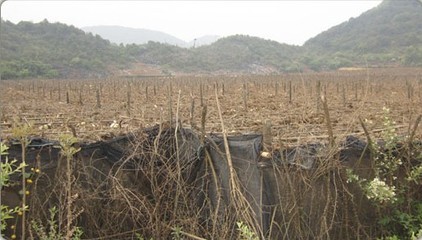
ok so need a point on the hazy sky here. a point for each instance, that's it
(291, 22)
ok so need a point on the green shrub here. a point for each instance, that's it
(402, 218)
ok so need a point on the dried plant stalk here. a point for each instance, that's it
(238, 199)
(328, 121)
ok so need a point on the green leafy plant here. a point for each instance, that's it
(68, 150)
(415, 174)
(140, 237)
(417, 235)
(53, 231)
(386, 161)
(404, 218)
(245, 232)
(22, 131)
(67, 141)
(7, 169)
(176, 233)
(378, 190)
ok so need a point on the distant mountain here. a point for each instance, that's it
(390, 33)
(55, 50)
(125, 35)
(237, 53)
(387, 35)
(204, 40)
(250, 54)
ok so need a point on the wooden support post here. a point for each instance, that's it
(245, 97)
(290, 91)
(192, 109)
(170, 95)
(318, 97)
(356, 91)
(67, 97)
(203, 120)
(128, 99)
(80, 96)
(267, 136)
(201, 94)
(328, 121)
(97, 94)
(344, 95)
(60, 97)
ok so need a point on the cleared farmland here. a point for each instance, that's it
(95, 108)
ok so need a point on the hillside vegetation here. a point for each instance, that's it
(388, 35)
(54, 50)
(237, 53)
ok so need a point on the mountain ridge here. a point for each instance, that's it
(378, 35)
(387, 35)
(128, 35)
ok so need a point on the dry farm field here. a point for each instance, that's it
(101, 108)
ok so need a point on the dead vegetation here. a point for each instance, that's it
(151, 175)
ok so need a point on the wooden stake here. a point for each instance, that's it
(245, 97)
(170, 95)
(203, 119)
(267, 135)
(290, 91)
(128, 99)
(344, 96)
(80, 96)
(319, 97)
(201, 97)
(328, 121)
(67, 97)
(415, 127)
(192, 109)
(97, 94)
(60, 97)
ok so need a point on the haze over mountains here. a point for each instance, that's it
(387, 35)
(125, 35)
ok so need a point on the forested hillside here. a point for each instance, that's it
(55, 50)
(388, 35)
(237, 53)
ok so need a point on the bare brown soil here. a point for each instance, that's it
(291, 102)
